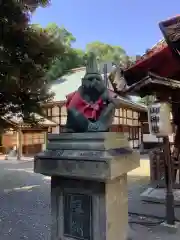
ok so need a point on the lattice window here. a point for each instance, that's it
(33, 138)
(49, 114)
(55, 111)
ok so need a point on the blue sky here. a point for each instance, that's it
(131, 24)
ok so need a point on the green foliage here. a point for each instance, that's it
(106, 52)
(33, 4)
(31, 56)
(71, 58)
(147, 100)
(60, 34)
(26, 53)
(63, 64)
(74, 58)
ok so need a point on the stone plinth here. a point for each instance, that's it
(89, 184)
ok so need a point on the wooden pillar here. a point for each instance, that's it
(170, 213)
(45, 139)
(19, 143)
(141, 137)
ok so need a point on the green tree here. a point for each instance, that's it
(33, 4)
(26, 54)
(61, 34)
(72, 58)
(107, 52)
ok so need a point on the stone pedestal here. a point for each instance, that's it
(88, 185)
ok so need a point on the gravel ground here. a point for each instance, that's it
(24, 201)
(25, 206)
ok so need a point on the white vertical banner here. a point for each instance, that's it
(109, 67)
(159, 118)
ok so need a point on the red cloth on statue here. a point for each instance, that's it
(90, 111)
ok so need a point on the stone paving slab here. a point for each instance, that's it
(158, 195)
(138, 182)
(139, 207)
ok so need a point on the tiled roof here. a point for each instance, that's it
(71, 82)
(159, 46)
(16, 120)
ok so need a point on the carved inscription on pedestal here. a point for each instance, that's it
(75, 154)
(78, 216)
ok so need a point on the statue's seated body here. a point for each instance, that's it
(90, 108)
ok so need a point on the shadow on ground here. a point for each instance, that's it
(25, 202)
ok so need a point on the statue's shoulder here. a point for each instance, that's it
(73, 98)
(72, 94)
(69, 98)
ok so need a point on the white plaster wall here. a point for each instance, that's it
(55, 129)
(131, 143)
(136, 143)
(152, 138)
(149, 138)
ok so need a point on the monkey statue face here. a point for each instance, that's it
(93, 83)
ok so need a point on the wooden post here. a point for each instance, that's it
(170, 215)
(19, 143)
(141, 137)
(45, 140)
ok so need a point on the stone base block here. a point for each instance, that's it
(97, 156)
(90, 210)
(158, 195)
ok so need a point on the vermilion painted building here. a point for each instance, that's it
(160, 61)
(158, 73)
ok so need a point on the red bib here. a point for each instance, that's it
(90, 111)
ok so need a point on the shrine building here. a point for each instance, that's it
(23, 137)
(154, 66)
(157, 73)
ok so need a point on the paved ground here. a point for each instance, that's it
(25, 205)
